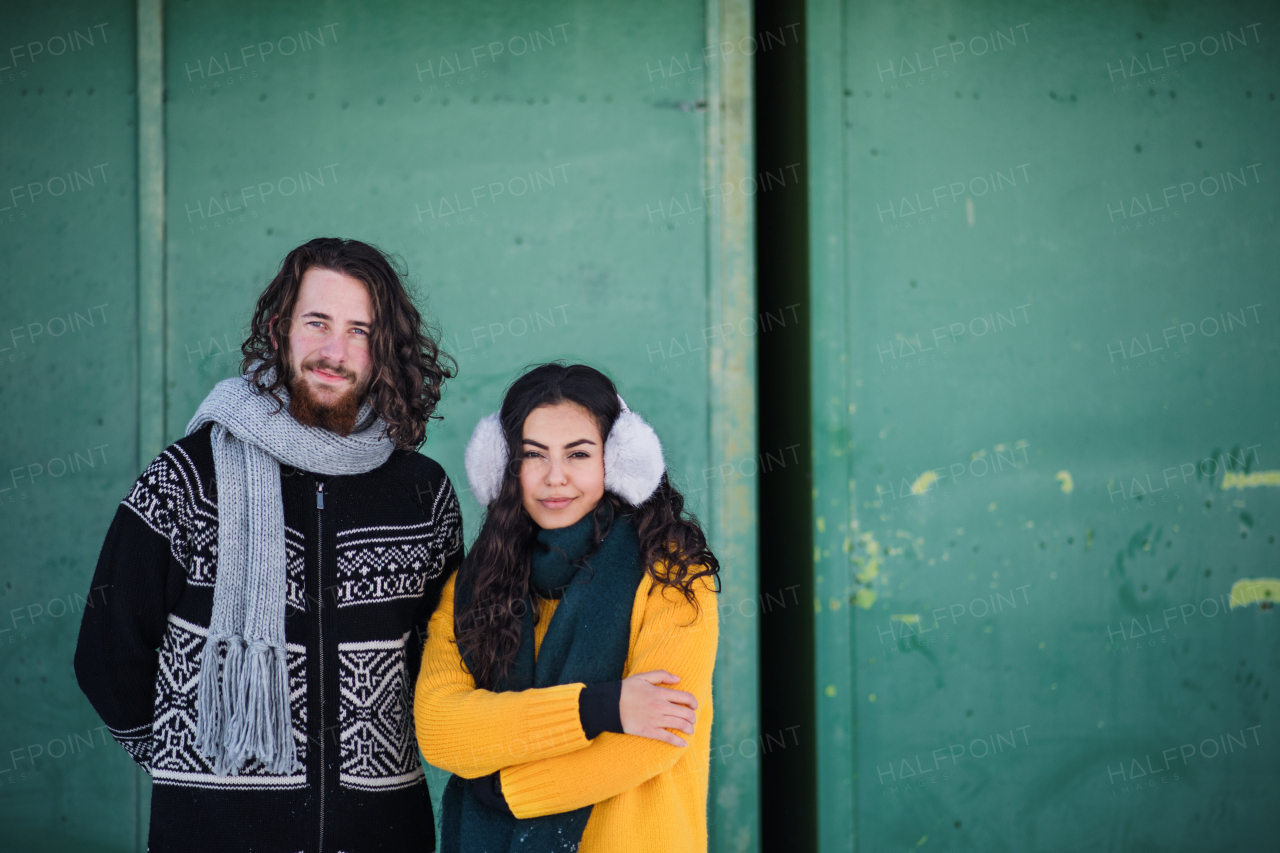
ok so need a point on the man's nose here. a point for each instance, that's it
(334, 348)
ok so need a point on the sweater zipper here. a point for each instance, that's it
(320, 632)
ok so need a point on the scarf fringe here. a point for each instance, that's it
(242, 704)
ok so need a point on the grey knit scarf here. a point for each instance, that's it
(242, 703)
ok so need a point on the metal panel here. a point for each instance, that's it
(1058, 389)
(543, 170)
(834, 524)
(68, 393)
(735, 797)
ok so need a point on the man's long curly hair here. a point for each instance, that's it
(408, 367)
(673, 547)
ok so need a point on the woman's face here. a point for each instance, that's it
(562, 465)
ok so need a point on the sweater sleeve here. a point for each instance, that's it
(670, 638)
(473, 732)
(446, 553)
(136, 580)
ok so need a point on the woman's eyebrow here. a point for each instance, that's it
(567, 446)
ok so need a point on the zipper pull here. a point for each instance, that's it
(319, 495)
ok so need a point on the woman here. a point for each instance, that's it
(543, 686)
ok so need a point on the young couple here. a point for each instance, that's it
(271, 578)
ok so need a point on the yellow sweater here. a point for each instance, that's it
(648, 795)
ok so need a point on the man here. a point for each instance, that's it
(271, 576)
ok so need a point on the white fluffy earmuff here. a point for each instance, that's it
(633, 463)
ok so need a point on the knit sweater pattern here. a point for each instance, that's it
(367, 556)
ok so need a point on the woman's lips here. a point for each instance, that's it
(556, 503)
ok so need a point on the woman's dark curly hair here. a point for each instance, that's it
(672, 545)
(408, 366)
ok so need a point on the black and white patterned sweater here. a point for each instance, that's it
(367, 557)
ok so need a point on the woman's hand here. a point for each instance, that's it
(648, 710)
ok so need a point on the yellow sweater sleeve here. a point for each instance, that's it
(670, 638)
(475, 732)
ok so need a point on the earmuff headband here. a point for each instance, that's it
(633, 464)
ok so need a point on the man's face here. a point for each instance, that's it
(328, 356)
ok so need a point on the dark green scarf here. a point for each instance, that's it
(587, 641)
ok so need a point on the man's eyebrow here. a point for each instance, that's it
(320, 315)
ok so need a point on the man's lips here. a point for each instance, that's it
(328, 376)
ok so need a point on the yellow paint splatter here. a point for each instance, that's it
(1246, 591)
(923, 482)
(865, 598)
(871, 698)
(992, 507)
(1237, 480)
(923, 838)
(822, 524)
(906, 618)
(834, 604)
(870, 542)
(1068, 484)
(830, 691)
(870, 571)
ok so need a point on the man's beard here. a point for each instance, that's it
(338, 417)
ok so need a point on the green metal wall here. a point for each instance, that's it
(531, 163)
(1044, 247)
(67, 390)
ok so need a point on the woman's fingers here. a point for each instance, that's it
(650, 709)
(658, 676)
(668, 737)
(679, 697)
(679, 712)
(679, 723)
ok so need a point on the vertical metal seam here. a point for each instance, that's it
(151, 376)
(735, 802)
(833, 486)
(151, 298)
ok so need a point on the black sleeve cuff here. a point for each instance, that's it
(488, 790)
(598, 708)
